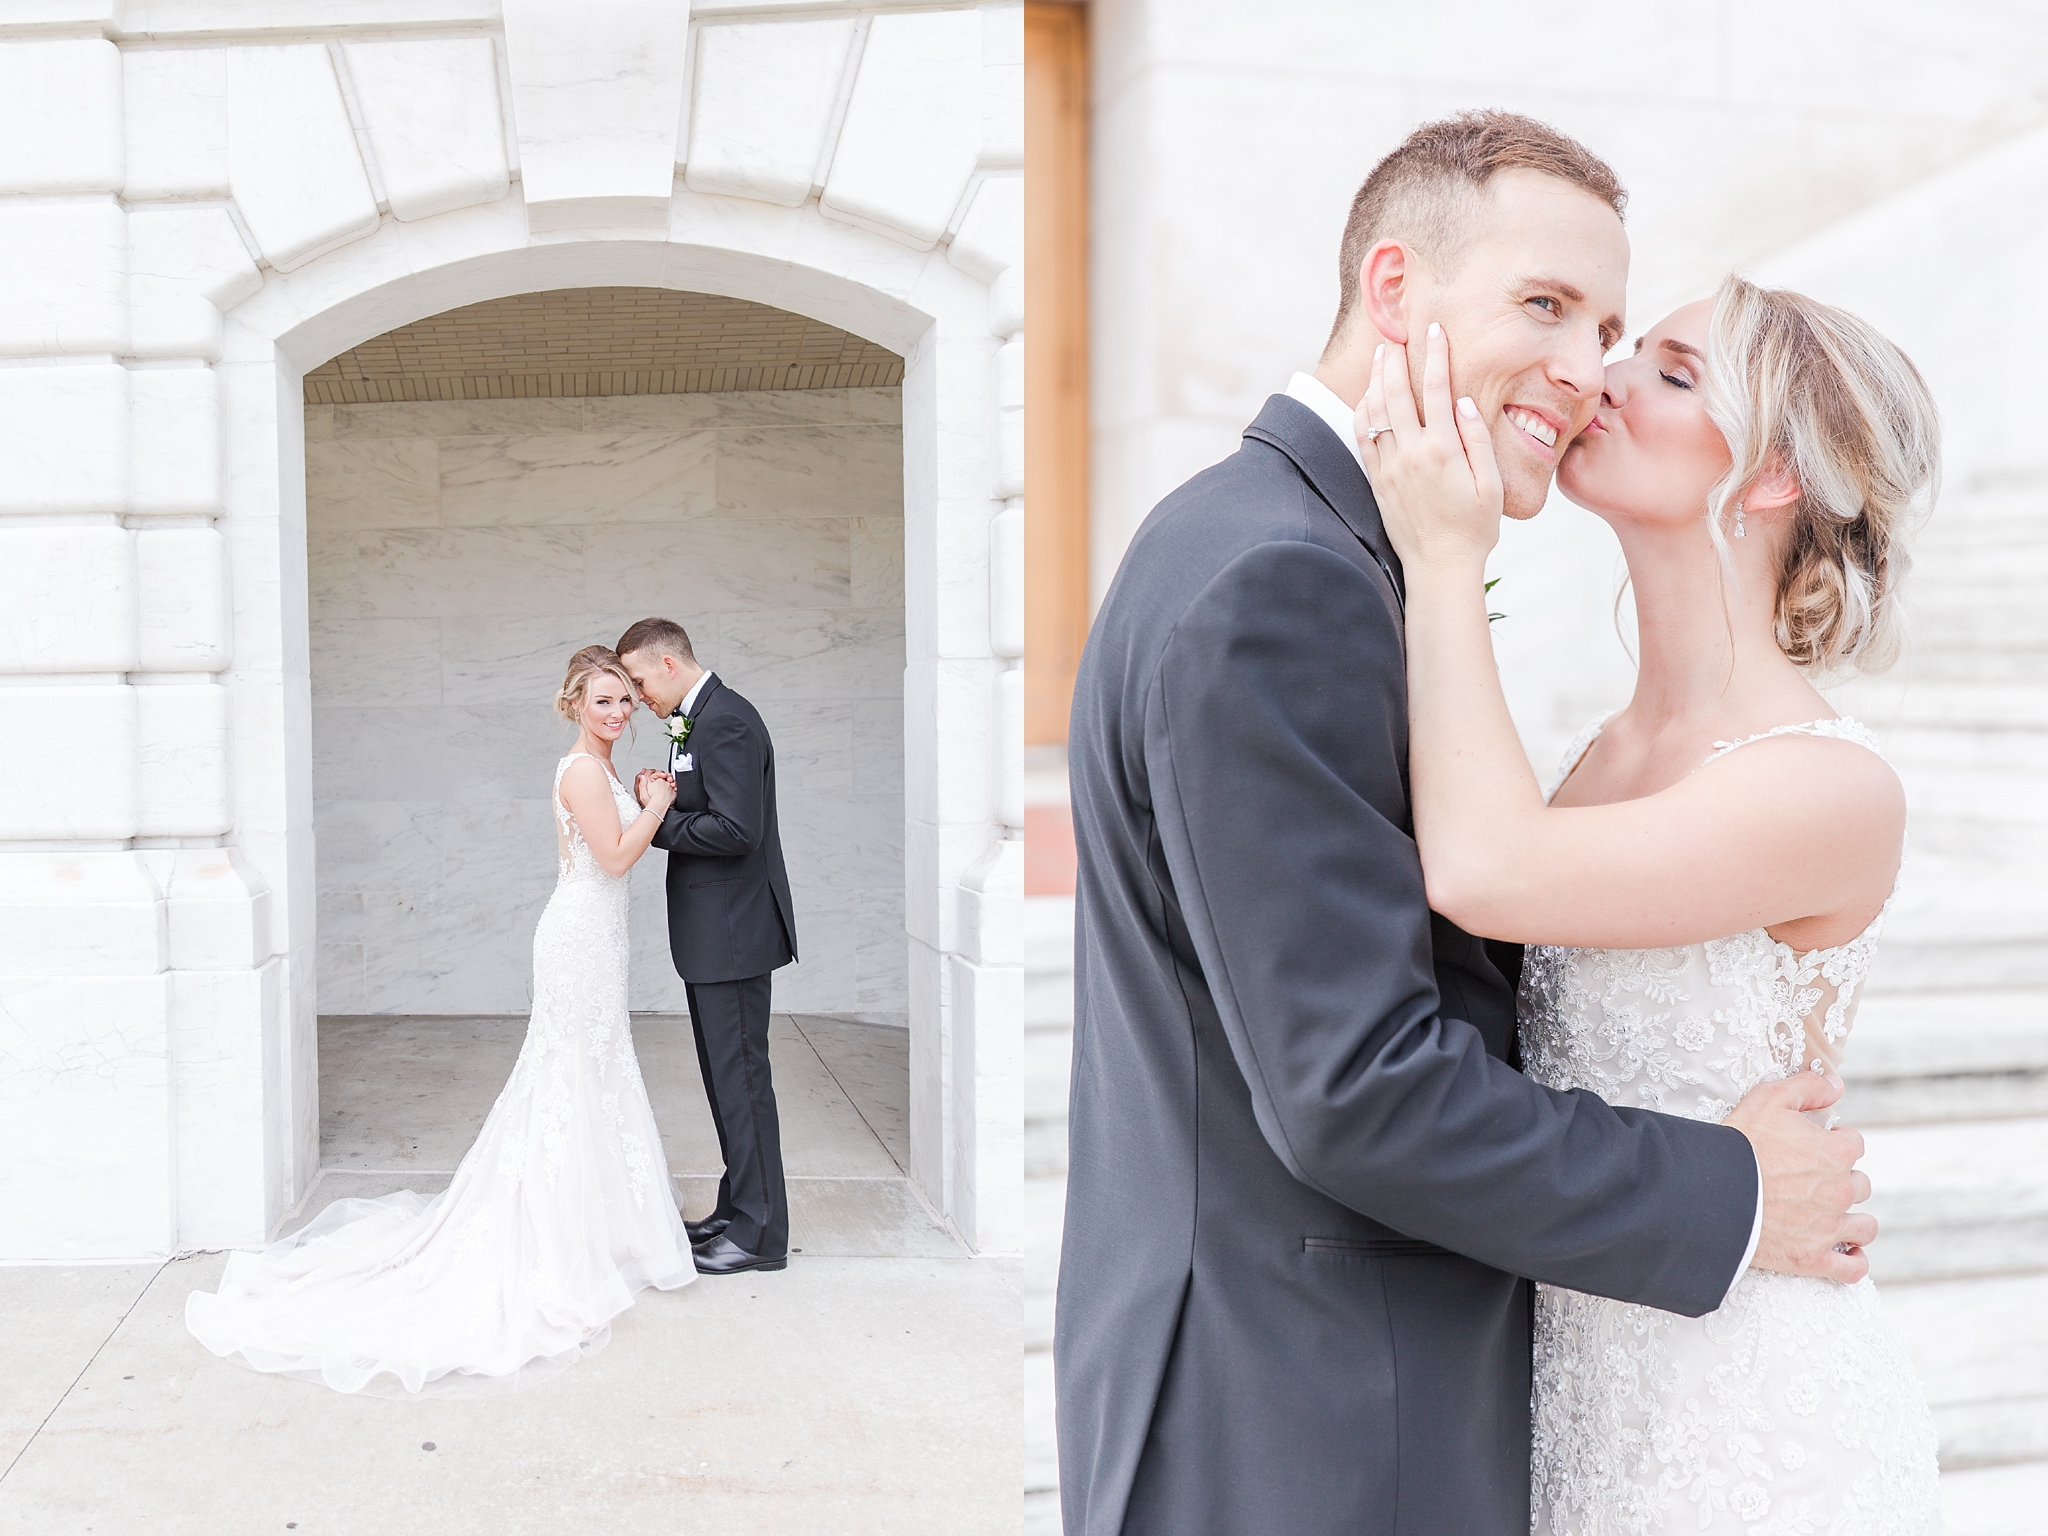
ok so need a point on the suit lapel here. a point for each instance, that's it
(1332, 471)
(704, 696)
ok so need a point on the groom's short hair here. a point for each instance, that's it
(663, 636)
(1426, 192)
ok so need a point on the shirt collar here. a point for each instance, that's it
(1323, 400)
(690, 699)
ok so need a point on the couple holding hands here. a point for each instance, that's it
(562, 1209)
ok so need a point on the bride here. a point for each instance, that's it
(562, 1209)
(1703, 891)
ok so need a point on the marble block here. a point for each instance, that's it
(176, 123)
(719, 564)
(60, 115)
(174, 450)
(182, 600)
(597, 94)
(834, 652)
(224, 1029)
(1008, 730)
(990, 238)
(92, 629)
(182, 771)
(514, 661)
(431, 572)
(84, 913)
(577, 478)
(185, 266)
(434, 121)
(66, 270)
(913, 126)
(987, 1119)
(216, 909)
(377, 662)
(877, 562)
(1006, 582)
(89, 791)
(85, 1118)
(1002, 85)
(297, 175)
(819, 471)
(762, 105)
(379, 483)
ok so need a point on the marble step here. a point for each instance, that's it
(1980, 1349)
(1902, 699)
(1995, 1501)
(1965, 926)
(1958, 1200)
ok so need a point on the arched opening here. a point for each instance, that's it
(487, 490)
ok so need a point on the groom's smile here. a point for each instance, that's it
(1529, 283)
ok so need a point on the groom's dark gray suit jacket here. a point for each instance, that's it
(1306, 1176)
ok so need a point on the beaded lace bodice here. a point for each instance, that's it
(1691, 1029)
(1791, 1410)
(574, 860)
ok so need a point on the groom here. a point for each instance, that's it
(1308, 1187)
(729, 925)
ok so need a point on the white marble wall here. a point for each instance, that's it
(1229, 138)
(458, 553)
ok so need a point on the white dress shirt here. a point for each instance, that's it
(690, 698)
(1337, 416)
(679, 760)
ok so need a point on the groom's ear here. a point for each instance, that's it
(1384, 281)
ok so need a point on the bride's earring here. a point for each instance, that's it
(1741, 529)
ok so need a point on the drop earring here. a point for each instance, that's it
(1741, 528)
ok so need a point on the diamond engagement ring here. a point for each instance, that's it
(1373, 433)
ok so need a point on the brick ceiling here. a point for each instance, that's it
(601, 341)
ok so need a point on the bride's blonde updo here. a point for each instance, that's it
(583, 666)
(1849, 415)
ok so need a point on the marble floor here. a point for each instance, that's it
(871, 1387)
(402, 1098)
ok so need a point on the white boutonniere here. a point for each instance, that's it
(679, 728)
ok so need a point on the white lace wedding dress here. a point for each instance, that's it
(1793, 1409)
(559, 1213)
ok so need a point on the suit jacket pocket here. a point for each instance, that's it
(1372, 1248)
(702, 885)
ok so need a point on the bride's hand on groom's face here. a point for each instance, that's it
(1432, 471)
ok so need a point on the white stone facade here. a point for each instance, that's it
(200, 200)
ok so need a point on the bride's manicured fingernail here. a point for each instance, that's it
(1466, 408)
(1379, 352)
(1435, 330)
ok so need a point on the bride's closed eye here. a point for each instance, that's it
(1678, 379)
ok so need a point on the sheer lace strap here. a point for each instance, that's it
(1841, 728)
(1581, 745)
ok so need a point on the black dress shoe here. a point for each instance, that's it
(720, 1255)
(703, 1231)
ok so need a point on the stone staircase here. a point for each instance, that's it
(1948, 1064)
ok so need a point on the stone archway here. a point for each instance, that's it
(279, 201)
(958, 1096)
